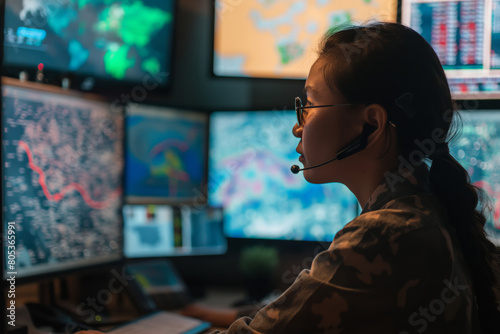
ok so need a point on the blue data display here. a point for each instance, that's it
(250, 156)
(165, 155)
(126, 40)
(478, 150)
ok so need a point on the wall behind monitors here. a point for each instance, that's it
(478, 150)
(277, 39)
(250, 155)
(165, 154)
(466, 36)
(127, 40)
(62, 168)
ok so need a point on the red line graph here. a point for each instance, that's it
(66, 189)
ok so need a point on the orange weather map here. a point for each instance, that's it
(277, 38)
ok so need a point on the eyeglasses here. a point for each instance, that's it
(299, 109)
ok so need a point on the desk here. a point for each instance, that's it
(216, 297)
(223, 296)
(220, 298)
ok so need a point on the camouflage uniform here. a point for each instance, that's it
(396, 268)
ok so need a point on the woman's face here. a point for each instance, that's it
(324, 131)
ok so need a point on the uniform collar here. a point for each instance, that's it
(397, 183)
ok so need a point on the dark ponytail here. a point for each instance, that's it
(392, 65)
(451, 183)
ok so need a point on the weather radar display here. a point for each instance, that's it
(62, 179)
(277, 39)
(165, 155)
(121, 40)
(477, 149)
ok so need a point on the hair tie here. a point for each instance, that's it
(440, 151)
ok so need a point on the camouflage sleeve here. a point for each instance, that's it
(370, 280)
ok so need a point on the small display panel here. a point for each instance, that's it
(164, 230)
(126, 40)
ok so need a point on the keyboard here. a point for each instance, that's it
(162, 322)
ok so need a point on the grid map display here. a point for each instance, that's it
(62, 179)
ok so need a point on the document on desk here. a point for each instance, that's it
(163, 322)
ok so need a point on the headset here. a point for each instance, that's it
(353, 147)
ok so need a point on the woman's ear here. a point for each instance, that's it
(376, 116)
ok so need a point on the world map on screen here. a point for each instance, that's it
(277, 38)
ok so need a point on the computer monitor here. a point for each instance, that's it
(127, 40)
(278, 39)
(466, 37)
(478, 150)
(165, 154)
(62, 167)
(166, 230)
(250, 156)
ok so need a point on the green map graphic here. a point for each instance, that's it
(122, 31)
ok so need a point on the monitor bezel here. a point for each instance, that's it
(80, 267)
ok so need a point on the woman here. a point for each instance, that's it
(417, 259)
